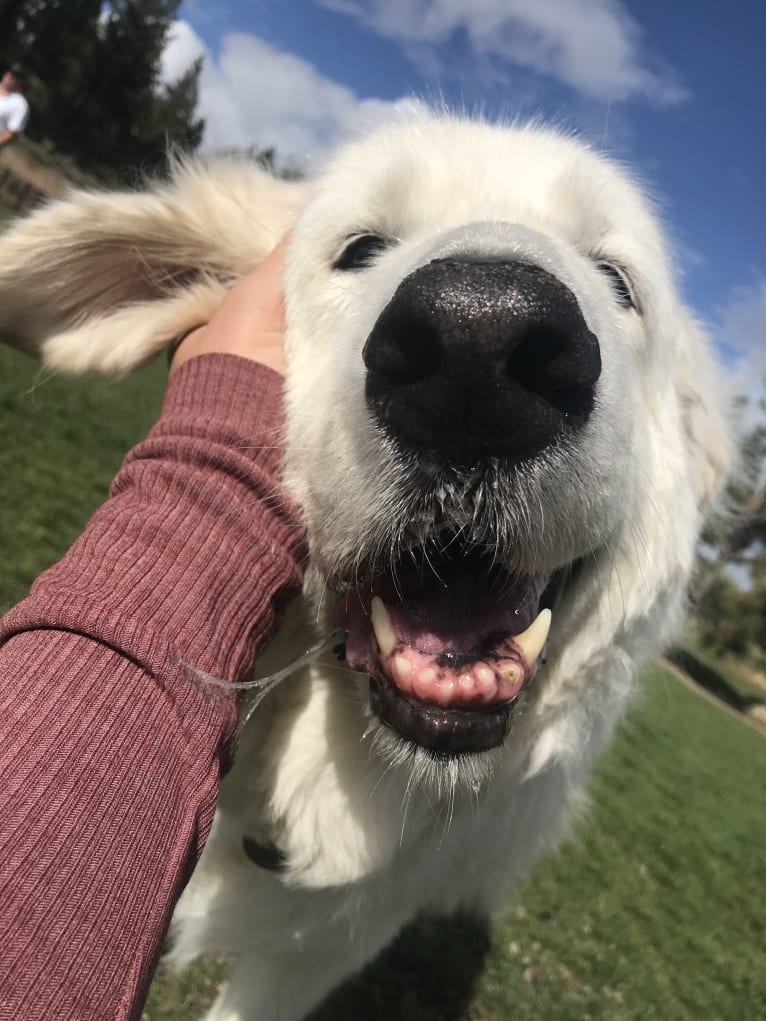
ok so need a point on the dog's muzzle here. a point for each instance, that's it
(481, 359)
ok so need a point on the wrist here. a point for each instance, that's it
(176, 344)
(264, 347)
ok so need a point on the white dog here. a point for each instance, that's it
(498, 407)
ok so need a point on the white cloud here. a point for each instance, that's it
(742, 324)
(593, 46)
(254, 94)
(182, 49)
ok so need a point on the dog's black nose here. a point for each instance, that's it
(481, 359)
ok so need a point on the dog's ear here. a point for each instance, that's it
(100, 282)
(706, 403)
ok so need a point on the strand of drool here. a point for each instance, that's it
(263, 685)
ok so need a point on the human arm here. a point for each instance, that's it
(112, 748)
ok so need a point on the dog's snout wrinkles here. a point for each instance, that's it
(481, 359)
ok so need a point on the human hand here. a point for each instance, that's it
(249, 321)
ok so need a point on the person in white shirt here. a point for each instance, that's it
(14, 109)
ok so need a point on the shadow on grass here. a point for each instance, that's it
(712, 680)
(427, 974)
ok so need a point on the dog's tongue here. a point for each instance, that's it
(452, 640)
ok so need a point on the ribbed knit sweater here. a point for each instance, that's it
(111, 749)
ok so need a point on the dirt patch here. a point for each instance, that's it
(754, 716)
(755, 677)
(30, 174)
(757, 713)
(43, 179)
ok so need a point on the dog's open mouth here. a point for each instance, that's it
(450, 641)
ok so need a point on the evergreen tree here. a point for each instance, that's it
(733, 616)
(174, 110)
(93, 80)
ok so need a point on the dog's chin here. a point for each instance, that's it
(450, 643)
(440, 774)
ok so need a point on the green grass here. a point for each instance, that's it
(63, 441)
(654, 910)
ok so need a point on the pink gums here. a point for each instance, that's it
(488, 681)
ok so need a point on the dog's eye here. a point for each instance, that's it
(360, 251)
(620, 284)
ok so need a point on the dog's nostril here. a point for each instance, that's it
(533, 350)
(403, 349)
(558, 361)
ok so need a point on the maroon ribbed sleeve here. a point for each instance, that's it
(112, 750)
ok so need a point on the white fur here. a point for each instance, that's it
(374, 832)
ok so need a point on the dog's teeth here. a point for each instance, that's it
(424, 683)
(485, 683)
(512, 672)
(445, 690)
(402, 667)
(485, 675)
(531, 642)
(381, 625)
(467, 683)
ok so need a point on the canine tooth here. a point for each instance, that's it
(531, 642)
(381, 625)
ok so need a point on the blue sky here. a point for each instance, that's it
(676, 90)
